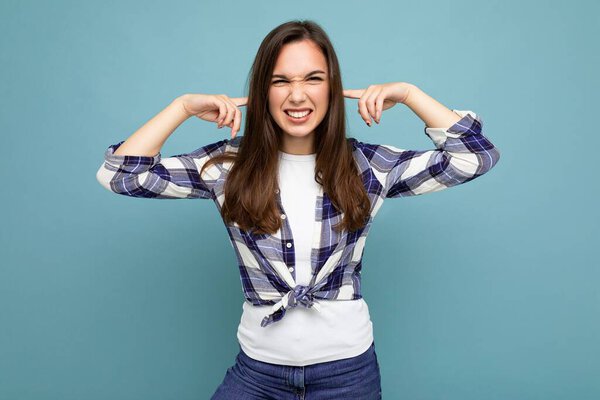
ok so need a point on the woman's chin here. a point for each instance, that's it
(298, 133)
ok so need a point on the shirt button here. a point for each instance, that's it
(291, 269)
(288, 245)
(283, 216)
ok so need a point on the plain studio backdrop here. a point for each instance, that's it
(488, 290)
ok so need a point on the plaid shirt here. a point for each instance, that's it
(266, 262)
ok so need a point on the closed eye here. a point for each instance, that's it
(311, 78)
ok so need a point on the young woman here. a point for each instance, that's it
(298, 198)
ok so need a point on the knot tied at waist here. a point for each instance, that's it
(299, 295)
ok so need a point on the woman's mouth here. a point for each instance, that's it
(298, 117)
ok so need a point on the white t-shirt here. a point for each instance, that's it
(342, 329)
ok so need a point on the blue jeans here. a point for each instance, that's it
(354, 378)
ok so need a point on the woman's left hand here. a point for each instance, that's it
(377, 98)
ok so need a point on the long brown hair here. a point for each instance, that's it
(251, 183)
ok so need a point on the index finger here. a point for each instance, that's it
(239, 101)
(353, 93)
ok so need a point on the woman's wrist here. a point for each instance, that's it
(432, 112)
(180, 102)
(409, 88)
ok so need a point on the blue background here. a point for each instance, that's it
(489, 290)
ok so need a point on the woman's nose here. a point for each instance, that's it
(297, 92)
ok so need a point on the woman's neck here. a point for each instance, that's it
(298, 145)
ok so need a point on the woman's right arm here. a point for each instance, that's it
(149, 139)
(135, 168)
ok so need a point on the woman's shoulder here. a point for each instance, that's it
(235, 142)
(222, 146)
(362, 146)
(363, 152)
(226, 144)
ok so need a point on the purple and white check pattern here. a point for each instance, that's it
(266, 262)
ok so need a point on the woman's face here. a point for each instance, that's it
(299, 84)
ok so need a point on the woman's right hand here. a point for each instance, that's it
(218, 108)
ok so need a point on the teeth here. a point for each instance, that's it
(298, 114)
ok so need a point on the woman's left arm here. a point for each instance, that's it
(462, 152)
(376, 98)
(432, 113)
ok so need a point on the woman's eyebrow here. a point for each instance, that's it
(318, 71)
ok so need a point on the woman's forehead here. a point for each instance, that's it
(300, 59)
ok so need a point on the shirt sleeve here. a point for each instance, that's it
(174, 177)
(462, 154)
